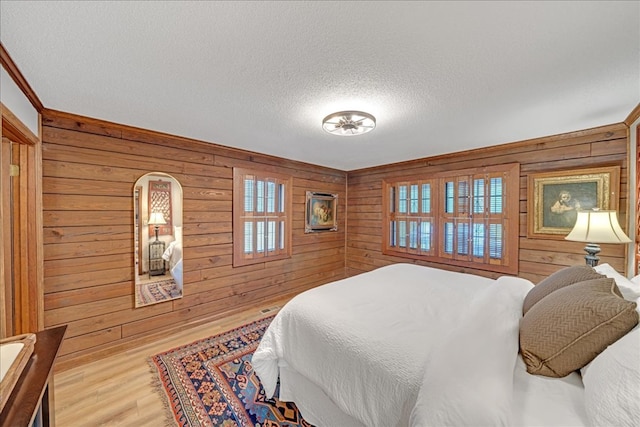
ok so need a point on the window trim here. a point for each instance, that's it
(510, 218)
(240, 258)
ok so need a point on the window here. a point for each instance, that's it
(466, 217)
(261, 216)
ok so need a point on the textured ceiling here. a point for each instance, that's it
(439, 77)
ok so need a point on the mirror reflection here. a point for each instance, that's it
(158, 238)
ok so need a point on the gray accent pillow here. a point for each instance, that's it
(568, 328)
(561, 278)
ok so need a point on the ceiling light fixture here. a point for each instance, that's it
(349, 123)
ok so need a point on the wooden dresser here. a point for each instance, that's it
(31, 402)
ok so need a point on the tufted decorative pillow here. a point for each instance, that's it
(568, 328)
(561, 278)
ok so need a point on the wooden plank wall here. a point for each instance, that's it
(89, 170)
(604, 146)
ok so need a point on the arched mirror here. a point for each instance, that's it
(157, 219)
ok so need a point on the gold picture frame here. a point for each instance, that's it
(320, 212)
(555, 197)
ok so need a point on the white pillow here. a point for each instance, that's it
(612, 383)
(636, 279)
(629, 290)
(177, 233)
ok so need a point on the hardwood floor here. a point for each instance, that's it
(119, 391)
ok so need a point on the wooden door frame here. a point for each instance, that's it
(633, 201)
(636, 230)
(6, 276)
(21, 258)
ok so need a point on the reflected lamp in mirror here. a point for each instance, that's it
(156, 219)
(595, 227)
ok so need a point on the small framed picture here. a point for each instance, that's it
(321, 212)
(554, 198)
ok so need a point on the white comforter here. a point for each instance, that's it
(341, 338)
(173, 254)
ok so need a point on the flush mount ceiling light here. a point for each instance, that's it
(349, 123)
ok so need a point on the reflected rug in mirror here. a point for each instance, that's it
(211, 382)
(163, 290)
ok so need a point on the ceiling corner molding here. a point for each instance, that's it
(14, 129)
(633, 116)
(12, 69)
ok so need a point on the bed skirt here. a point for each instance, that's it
(314, 405)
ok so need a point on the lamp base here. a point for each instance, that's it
(592, 250)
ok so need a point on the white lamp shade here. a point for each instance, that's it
(597, 227)
(156, 218)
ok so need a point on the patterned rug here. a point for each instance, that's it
(211, 382)
(158, 291)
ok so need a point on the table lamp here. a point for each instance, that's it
(156, 219)
(595, 227)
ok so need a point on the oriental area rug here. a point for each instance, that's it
(153, 292)
(211, 382)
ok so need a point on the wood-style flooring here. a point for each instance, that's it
(118, 390)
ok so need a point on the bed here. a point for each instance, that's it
(173, 255)
(411, 345)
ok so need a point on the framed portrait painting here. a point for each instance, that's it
(321, 211)
(554, 198)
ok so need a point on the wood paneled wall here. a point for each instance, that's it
(605, 146)
(89, 170)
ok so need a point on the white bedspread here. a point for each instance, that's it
(173, 253)
(369, 358)
(469, 376)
